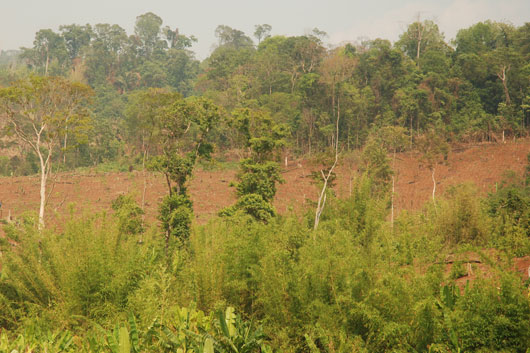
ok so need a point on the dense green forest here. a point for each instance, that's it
(344, 275)
(475, 88)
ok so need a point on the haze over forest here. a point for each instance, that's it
(132, 122)
(342, 20)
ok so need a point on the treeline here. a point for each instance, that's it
(473, 89)
(349, 277)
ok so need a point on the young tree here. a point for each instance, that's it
(391, 139)
(336, 70)
(143, 125)
(434, 150)
(184, 128)
(40, 111)
(259, 173)
(48, 47)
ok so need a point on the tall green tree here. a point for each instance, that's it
(48, 48)
(262, 32)
(263, 138)
(148, 28)
(76, 38)
(184, 128)
(420, 38)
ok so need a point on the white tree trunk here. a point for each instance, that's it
(322, 197)
(43, 177)
(64, 146)
(433, 185)
(392, 204)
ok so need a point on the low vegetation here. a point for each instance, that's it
(345, 274)
(105, 283)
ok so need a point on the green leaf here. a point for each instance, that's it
(112, 343)
(63, 342)
(230, 320)
(134, 333)
(222, 322)
(125, 344)
(208, 345)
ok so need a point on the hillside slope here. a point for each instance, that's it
(483, 165)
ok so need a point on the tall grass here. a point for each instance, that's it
(357, 284)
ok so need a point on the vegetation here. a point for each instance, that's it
(349, 277)
(472, 89)
(239, 284)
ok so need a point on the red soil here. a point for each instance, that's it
(483, 165)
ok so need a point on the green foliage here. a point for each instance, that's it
(176, 215)
(353, 285)
(179, 128)
(57, 343)
(86, 272)
(258, 174)
(471, 92)
(376, 164)
(251, 204)
(460, 218)
(356, 284)
(129, 215)
(492, 319)
(434, 148)
(259, 179)
(509, 208)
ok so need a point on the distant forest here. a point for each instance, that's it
(475, 88)
(341, 275)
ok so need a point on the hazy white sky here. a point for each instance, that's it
(342, 19)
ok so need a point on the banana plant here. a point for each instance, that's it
(187, 332)
(59, 342)
(449, 295)
(238, 336)
(121, 340)
(54, 343)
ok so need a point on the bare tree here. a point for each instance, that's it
(40, 110)
(434, 151)
(336, 70)
(326, 177)
(394, 139)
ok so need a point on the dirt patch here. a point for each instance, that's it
(482, 165)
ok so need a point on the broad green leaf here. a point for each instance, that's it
(125, 344)
(208, 345)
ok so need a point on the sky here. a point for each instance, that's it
(343, 20)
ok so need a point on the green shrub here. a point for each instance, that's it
(86, 271)
(491, 318)
(176, 214)
(129, 215)
(460, 217)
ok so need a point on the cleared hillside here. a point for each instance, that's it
(484, 165)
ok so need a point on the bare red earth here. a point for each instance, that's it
(483, 165)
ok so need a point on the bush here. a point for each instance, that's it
(509, 209)
(176, 214)
(129, 215)
(86, 271)
(460, 218)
